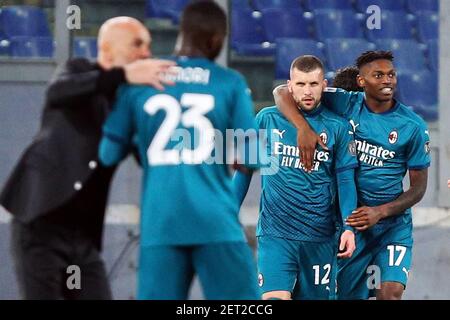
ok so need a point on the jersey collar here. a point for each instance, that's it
(313, 113)
(393, 109)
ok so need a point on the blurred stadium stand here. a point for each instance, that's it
(27, 21)
(282, 23)
(415, 6)
(313, 5)
(424, 103)
(85, 47)
(408, 28)
(337, 24)
(398, 5)
(408, 56)
(279, 4)
(248, 36)
(166, 9)
(290, 48)
(31, 47)
(342, 52)
(427, 25)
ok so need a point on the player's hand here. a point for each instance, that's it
(347, 244)
(149, 72)
(307, 140)
(240, 167)
(364, 217)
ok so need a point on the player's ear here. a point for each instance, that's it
(289, 84)
(360, 81)
(216, 44)
(105, 48)
(325, 84)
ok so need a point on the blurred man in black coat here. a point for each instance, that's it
(58, 191)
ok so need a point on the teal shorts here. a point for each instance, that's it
(382, 255)
(227, 271)
(306, 269)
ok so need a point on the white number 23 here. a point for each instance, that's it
(199, 105)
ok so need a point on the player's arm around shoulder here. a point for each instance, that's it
(340, 101)
(307, 138)
(80, 78)
(345, 164)
(118, 129)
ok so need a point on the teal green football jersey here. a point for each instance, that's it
(295, 204)
(388, 144)
(187, 194)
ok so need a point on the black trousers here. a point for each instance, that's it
(43, 252)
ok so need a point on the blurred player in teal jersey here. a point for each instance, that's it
(296, 228)
(189, 211)
(391, 140)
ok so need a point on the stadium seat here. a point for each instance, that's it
(433, 54)
(85, 47)
(343, 52)
(313, 5)
(288, 49)
(284, 4)
(428, 25)
(416, 6)
(28, 21)
(397, 5)
(394, 25)
(282, 23)
(407, 53)
(420, 90)
(240, 5)
(248, 36)
(4, 47)
(337, 24)
(31, 47)
(170, 9)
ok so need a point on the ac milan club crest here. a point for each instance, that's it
(393, 137)
(324, 137)
(260, 280)
(428, 148)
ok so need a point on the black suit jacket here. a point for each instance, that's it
(63, 155)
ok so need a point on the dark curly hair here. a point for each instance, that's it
(370, 56)
(345, 78)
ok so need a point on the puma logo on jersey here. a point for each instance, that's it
(278, 132)
(406, 271)
(354, 126)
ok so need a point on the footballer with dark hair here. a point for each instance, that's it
(390, 140)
